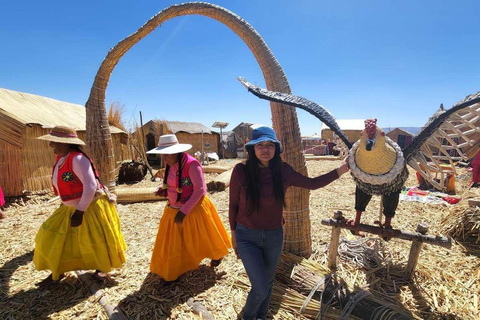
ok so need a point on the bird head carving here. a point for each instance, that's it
(372, 135)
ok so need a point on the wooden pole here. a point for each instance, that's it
(334, 241)
(380, 214)
(391, 233)
(422, 228)
(221, 144)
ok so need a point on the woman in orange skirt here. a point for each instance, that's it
(190, 229)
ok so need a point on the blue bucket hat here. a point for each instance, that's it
(261, 134)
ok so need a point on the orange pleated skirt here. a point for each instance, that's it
(181, 247)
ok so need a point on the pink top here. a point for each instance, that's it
(195, 174)
(2, 199)
(476, 168)
(83, 170)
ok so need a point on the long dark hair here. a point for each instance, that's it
(252, 172)
(167, 169)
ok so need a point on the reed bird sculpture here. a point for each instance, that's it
(379, 166)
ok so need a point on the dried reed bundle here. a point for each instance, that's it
(129, 195)
(464, 221)
(313, 280)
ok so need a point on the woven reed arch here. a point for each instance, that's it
(284, 118)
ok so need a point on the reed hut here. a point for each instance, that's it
(351, 127)
(25, 162)
(199, 136)
(401, 137)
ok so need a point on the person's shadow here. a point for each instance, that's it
(37, 303)
(156, 298)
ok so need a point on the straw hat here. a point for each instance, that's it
(63, 134)
(168, 144)
(264, 133)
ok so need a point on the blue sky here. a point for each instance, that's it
(393, 60)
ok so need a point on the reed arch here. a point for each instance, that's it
(284, 118)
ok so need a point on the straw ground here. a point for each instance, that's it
(446, 284)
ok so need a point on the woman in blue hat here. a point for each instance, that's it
(257, 198)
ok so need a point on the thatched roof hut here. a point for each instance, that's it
(244, 130)
(351, 127)
(401, 137)
(25, 162)
(199, 136)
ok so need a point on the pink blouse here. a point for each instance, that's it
(195, 173)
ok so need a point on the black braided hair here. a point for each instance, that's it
(167, 169)
(179, 159)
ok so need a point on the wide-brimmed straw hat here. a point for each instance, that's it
(63, 134)
(168, 144)
(264, 133)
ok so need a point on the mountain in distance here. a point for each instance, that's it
(412, 130)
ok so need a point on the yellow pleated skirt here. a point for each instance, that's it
(180, 248)
(97, 244)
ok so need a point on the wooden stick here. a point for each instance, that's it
(113, 311)
(334, 241)
(391, 233)
(415, 252)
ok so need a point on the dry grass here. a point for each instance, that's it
(446, 283)
(116, 115)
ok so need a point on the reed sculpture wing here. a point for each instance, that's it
(450, 135)
(311, 107)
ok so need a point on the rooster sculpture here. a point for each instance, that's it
(379, 166)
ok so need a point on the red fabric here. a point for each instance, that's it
(451, 200)
(2, 199)
(69, 184)
(476, 168)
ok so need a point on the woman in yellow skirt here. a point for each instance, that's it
(190, 229)
(84, 232)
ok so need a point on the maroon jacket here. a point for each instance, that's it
(270, 213)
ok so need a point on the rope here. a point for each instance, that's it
(299, 219)
(352, 302)
(298, 211)
(337, 290)
(310, 295)
(365, 252)
(301, 240)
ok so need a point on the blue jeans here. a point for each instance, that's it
(260, 251)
